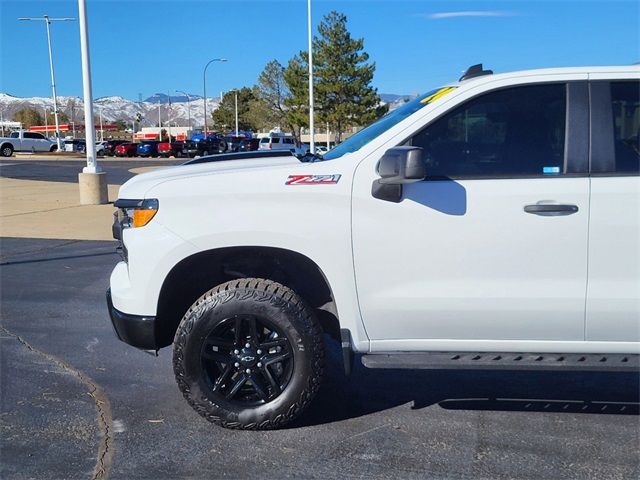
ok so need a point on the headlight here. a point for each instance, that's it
(136, 213)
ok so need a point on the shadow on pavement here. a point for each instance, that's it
(368, 391)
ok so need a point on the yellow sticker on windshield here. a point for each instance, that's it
(440, 93)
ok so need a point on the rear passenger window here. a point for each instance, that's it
(275, 140)
(625, 102)
(513, 132)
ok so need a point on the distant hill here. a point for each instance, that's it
(115, 108)
(174, 98)
(118, 108)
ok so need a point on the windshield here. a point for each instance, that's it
(364, 136)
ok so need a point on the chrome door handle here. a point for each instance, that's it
(551, 210)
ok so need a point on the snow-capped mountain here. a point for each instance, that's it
(115, 108)
(118, 108)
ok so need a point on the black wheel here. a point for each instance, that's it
(7, 150)
(249, 355)
(222, 147)
(205, 153)
(53, 148)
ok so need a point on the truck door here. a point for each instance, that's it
(493, 244)
(613, 295)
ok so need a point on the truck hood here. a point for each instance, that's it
(138, 186)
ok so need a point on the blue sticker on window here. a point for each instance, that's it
(550, 170)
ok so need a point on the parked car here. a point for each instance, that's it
(110, 146)
(233, 142)
(277, 141)
(209, 146)
(491, 223)
(321, 150)
(170, 149)
(100, 148)
(249, 145)
(75, 145)
(148, 148)
(128, 149)
(23, 141)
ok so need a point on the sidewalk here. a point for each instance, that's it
(42, 209)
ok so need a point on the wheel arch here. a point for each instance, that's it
(198, 273)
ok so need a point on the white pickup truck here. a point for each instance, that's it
(492, 223)
(24, 141)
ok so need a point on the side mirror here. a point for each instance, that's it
(399, 165)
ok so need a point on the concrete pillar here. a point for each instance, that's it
(93, 188)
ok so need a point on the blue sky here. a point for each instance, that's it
(149, 46)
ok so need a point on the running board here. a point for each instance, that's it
(503, 361)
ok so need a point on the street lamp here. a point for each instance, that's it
(204, 88)
(188, 104)
(101, 130)
(311, 128)
(235, 92)
(159, 119)
(47, 20)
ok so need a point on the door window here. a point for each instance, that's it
(625, 103)
(513, 132)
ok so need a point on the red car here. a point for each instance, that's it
(170, 149)
(126, 150)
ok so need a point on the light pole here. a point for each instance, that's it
(311, 128)
(188, 104)
(204, 89)
(159, 119)
(47, 20)
(101, 130)
(236, 95)
(92, 180)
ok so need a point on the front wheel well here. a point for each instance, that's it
(195, 275)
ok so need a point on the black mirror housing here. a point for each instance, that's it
(401, 165)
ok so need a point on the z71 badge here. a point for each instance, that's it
(312, 179)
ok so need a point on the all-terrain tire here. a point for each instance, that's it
(285, 310)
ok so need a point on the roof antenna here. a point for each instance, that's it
(474, 71)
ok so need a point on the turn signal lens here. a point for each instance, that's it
(142, 217)
(135, 213)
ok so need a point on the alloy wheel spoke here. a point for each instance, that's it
(276, 342)
(275, 386)
(223, 377)
(219, 342)
(253, 329)
(258, 387)
(217, 356)
(240, 381)
(238, 330)
(276, 357)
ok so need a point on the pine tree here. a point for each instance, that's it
(343, 90)
(296, 76)
(224, 117)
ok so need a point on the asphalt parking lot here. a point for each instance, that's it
(78, 403)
